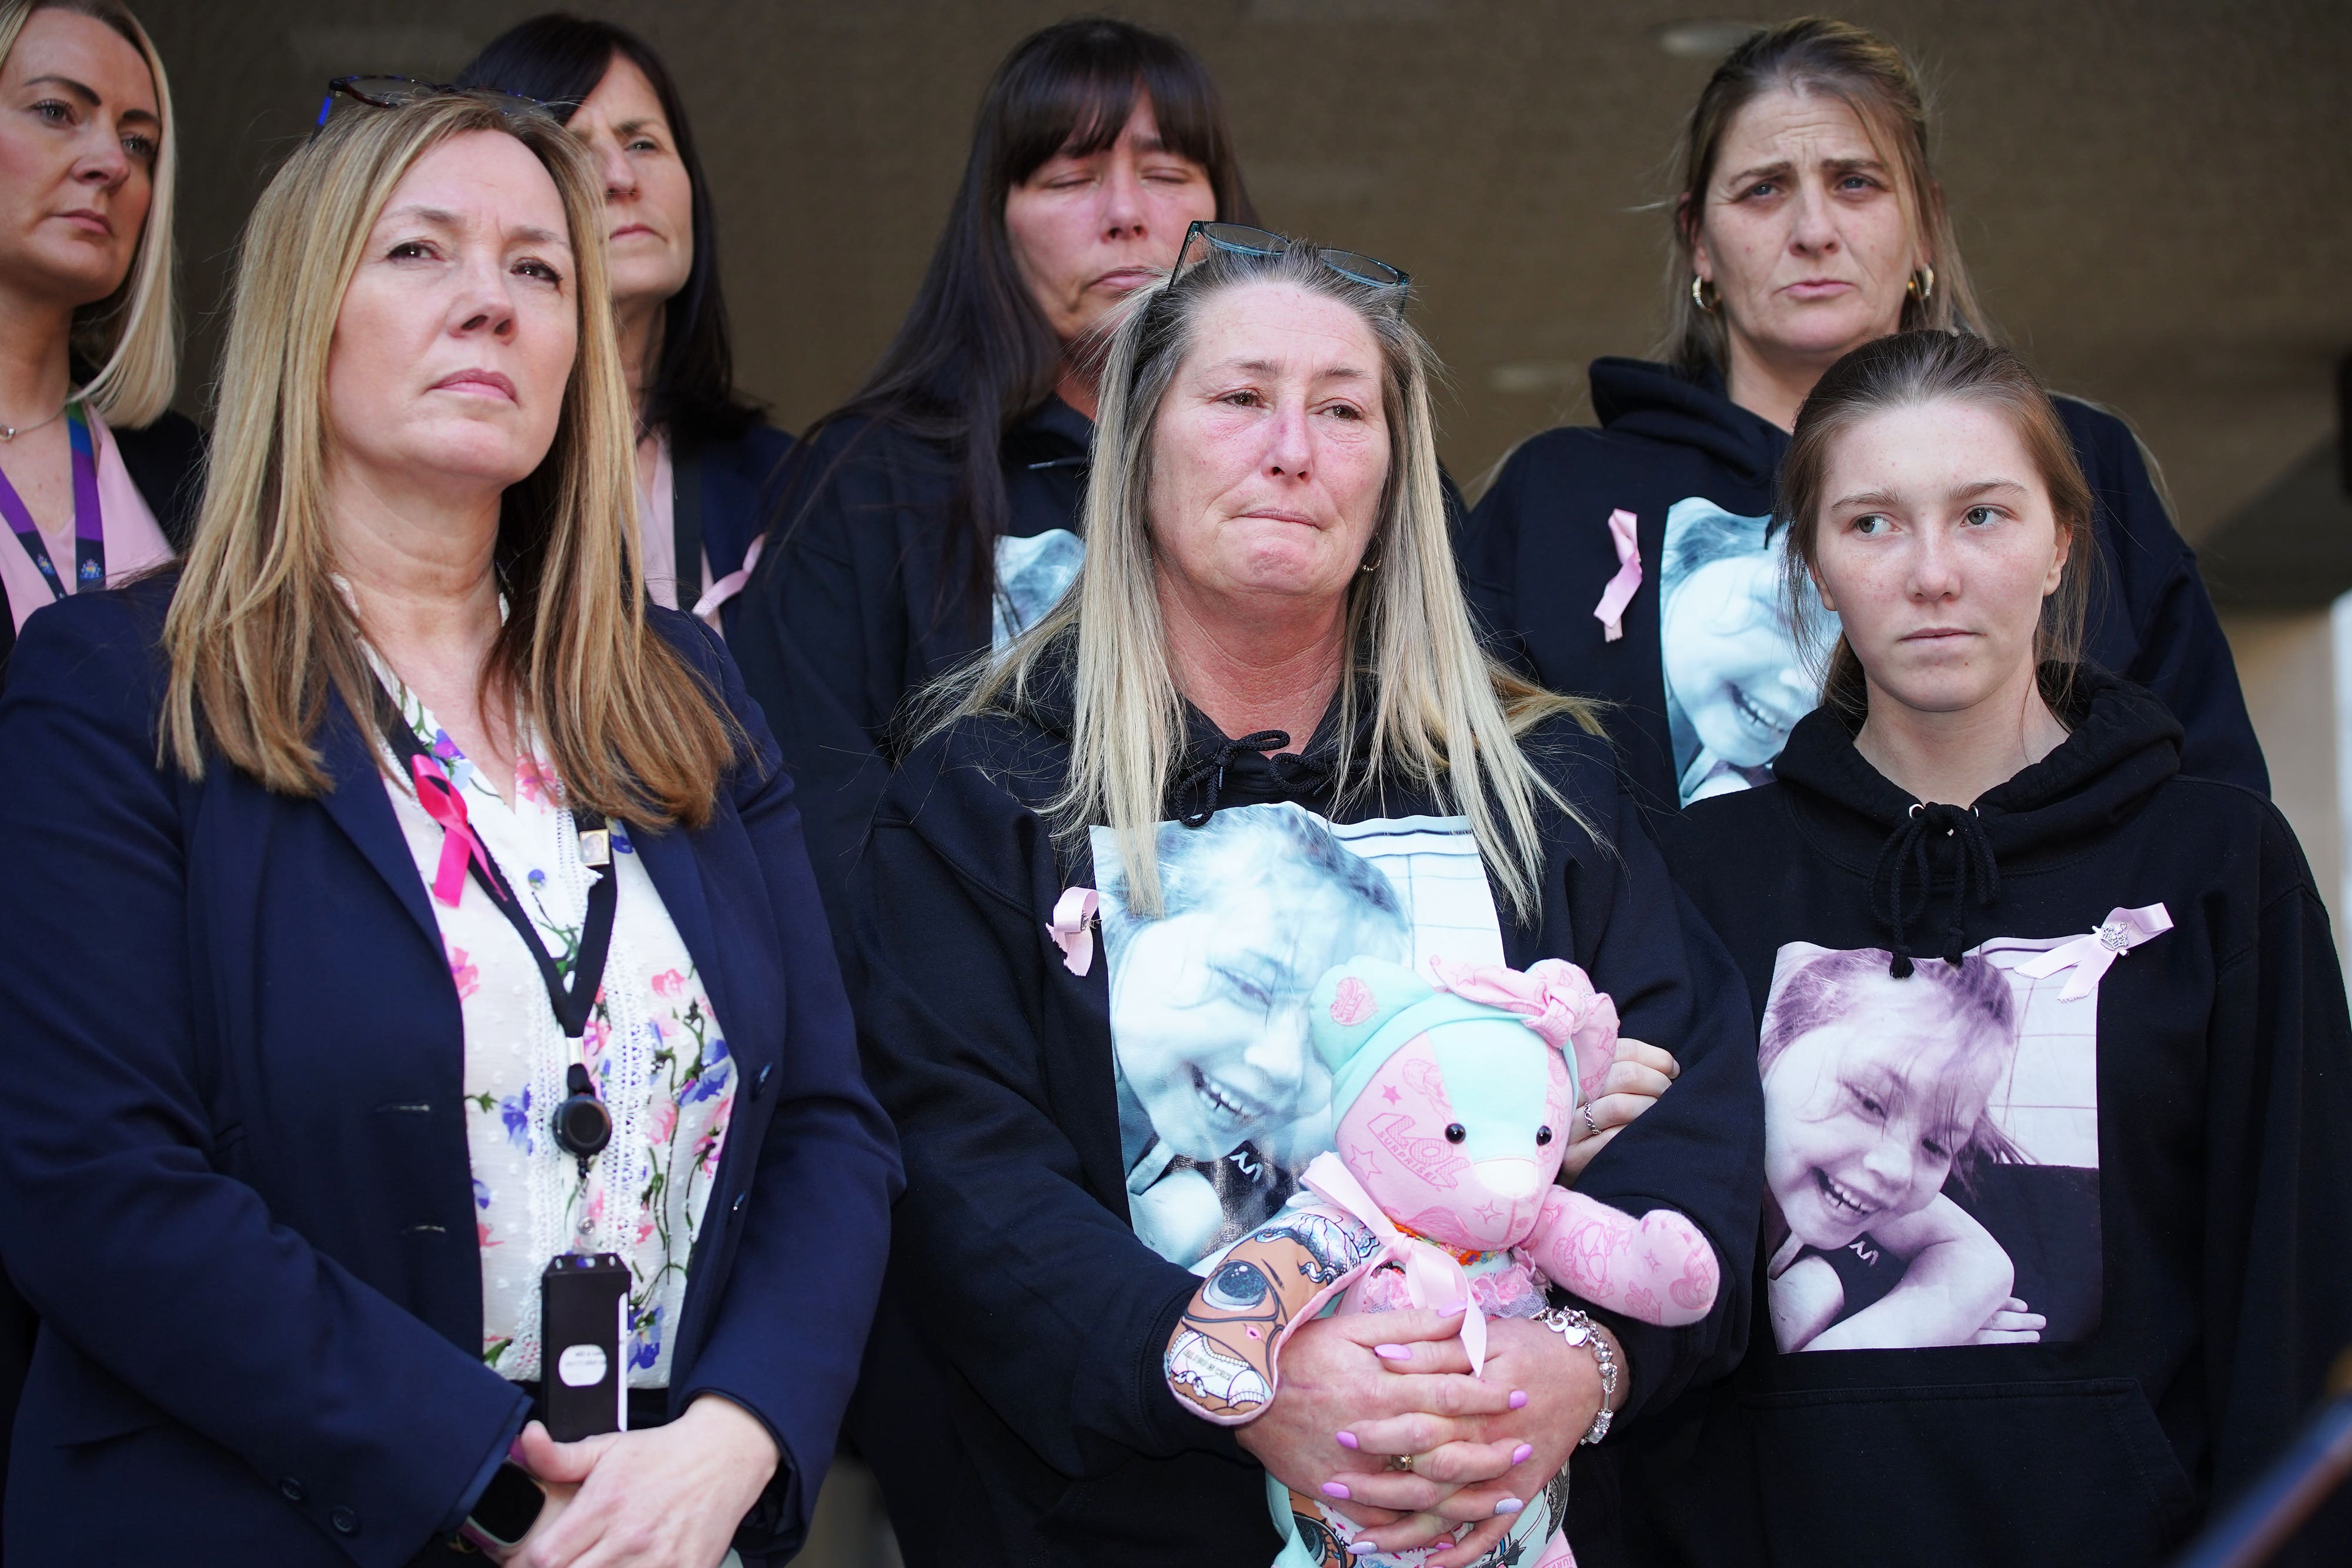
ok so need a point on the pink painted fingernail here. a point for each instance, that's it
(1454, 1311)
(1392, 1353)
(1518, 1399)
(1347, 1440)
(1520, 1455)
(1508, 1505)
(1333, 1488)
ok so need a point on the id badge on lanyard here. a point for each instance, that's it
(89, 534)
(583, 1324)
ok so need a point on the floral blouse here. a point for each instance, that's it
(655, 1052)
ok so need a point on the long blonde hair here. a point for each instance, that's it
(258, 634)
(133, 335)
(1437, 699)
(1870, 77)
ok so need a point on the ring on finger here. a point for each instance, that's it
(1401, 1462)
(1591, 1128)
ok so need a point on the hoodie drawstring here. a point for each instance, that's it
(1909, 845)
(1212, 773)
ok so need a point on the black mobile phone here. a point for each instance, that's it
(583, 1316)
(509, 1507)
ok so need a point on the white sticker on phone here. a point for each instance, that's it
(581, 1366)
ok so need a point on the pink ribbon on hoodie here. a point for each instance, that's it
(1553, 998)
(729, 586)
(1611, 611)
(1433, 1276)
(441, 802)
(1074, 911)
(2090, 957)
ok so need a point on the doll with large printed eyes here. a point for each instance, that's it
(1454, 1102)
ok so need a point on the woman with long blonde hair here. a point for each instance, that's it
(96, 471)
(433, 1111)
(1256, 738)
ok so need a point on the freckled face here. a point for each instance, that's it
(1863, 1116)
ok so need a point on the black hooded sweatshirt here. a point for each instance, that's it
(1014, 1249)
(2184, 1235)
(854, 605)
(1538, 552)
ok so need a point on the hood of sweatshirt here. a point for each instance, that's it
(1636, 397)
(1932, 859)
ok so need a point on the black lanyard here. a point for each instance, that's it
(572, 1004)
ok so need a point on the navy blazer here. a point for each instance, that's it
(725, 492)
(234, 1179)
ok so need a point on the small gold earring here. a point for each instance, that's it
(1923, 283)
(1700, 295)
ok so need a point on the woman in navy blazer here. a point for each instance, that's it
(236, 1176)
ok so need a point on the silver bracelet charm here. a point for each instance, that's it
(1578, 1329)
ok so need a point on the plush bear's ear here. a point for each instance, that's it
(1353, 999)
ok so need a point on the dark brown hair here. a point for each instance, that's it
(974, 356)
(559, 60)
(1870, 77)
(1904, 371)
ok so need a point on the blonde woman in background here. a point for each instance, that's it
(97, 469)
(346, 853)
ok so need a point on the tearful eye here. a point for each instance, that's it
(1455, 1132)
(1543, 1136)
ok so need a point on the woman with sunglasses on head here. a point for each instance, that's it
(97, 475)
(1807, 222)
(936, 512)
(421, 1015)
(1261, 735)
(2053, 1042)
(706, 462)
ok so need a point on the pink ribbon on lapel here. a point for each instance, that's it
(729, 586)
(1554, 997)
(458, 841)
(1611, 611)
(2091, 956)
(1433, 1276)
(1074, 911)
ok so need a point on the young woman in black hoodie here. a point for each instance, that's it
(1808, 222)
(2053, 1040)
(1263, 735)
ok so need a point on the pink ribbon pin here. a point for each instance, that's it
(729, 586)
(1433, 1276)
(441, 802)
(1611, 611)
(2090, 955)
(1074, 911)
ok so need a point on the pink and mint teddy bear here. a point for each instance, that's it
(1454, 1102)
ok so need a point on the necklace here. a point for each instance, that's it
(10, 432)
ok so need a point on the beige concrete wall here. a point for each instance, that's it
(2287, 662)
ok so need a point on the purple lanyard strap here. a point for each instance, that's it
(89, 538)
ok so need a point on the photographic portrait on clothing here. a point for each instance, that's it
(1033, 572)
(1931, 1151)
(1737, 681)
(1222, 1099)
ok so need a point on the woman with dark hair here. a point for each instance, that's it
(2052, 1039)
(1807, 222)
(937, 510)
(706, 463)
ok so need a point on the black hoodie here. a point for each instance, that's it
(2159, 1164)
(1538, 552)
(1014, 1247)
(850, 609)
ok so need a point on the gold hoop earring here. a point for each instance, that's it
(1371, 561)
(1923, 283)
(1699, 298)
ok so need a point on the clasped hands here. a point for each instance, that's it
(669, 1497)
(1357, 1388)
